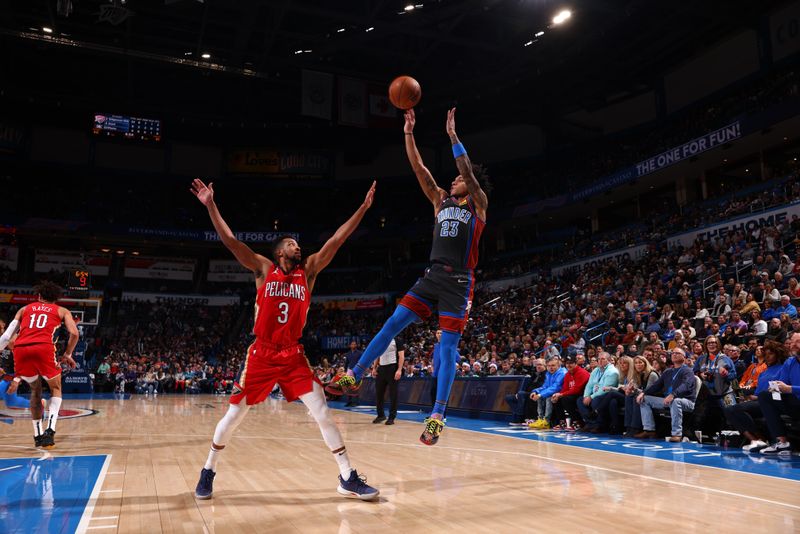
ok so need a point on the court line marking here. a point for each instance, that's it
(105, 517)
(101, 526)
(10, 468)
(83, 525)
(576, 446)
(548, 458)
(110, 491)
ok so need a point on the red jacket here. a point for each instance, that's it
(575, 381)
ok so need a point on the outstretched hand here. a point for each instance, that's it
(370, 195)
(411, 121)
(203, 192)
(450, 125)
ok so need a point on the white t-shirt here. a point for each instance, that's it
(390, 355)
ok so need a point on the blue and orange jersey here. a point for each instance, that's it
(456, 234)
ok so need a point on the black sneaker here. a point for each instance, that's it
(379, 419)
(205, 486)
(37, 440)
(390, 421)
(48, 439)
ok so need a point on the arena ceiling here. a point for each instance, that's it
(148, 55)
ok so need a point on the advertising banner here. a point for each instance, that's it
(201, 300)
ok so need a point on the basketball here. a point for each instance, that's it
(404, 92)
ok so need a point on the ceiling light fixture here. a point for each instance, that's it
(45, 29)
(562, 16)
(539, 34)
(528, 43)
(370, 29)
(206, 56)
(340, 30)
(409, 7)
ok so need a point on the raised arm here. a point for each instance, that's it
(244, 254)
(318, 261)
(434, 193)
(465, 167)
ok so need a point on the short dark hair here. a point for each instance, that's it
(276, 244)
(48, 291)
(482, 175)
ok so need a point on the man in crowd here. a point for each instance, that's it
(522, 407)
(387, 375)
(675, 390)
(565, 402)
(553, 381)
(603, 378)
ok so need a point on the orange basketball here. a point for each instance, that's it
(404, 92)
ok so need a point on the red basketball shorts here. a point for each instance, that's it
(36, 360)
(265, 366)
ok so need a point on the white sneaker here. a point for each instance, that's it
(784, 448)
(757, 444)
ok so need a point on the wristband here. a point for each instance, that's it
(409, 133)
(459, 150)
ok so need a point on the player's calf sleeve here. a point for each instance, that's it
(222, 434)
(316, 404)
(52, 413)
(226, 426)
(448, 347)
(400, 319)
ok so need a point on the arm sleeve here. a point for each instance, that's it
(8, 334)
(684, 386)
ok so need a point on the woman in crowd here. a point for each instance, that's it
(758, 326)
(700, 311)
(640, 376)
(742, 416)
(749, 380)
(614, 399)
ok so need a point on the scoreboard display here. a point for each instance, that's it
(79, 282)
(127, 127)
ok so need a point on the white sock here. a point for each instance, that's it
(316, 404)
(52, 412)
(213, 458)
(37, 427)
(344, 463)
(224, 431)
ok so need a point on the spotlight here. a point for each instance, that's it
(528, 43)
(370, 29)
(409, 7)
(206, 56)
(562, 16)
(45, 29)
(539, 34)
(340, 30)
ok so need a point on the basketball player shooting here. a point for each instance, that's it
(35, 356)
(459, 219)
(283, 295)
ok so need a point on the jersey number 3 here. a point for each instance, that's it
(39, 320)
(284, 309)
(449, 229)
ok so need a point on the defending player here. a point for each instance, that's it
(459, 219)
(35, 355)
(283, 295)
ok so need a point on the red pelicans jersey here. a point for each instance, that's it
(38, 324)
(281, 307)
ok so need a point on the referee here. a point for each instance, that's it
(389, 371)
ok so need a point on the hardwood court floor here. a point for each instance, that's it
(277, 476)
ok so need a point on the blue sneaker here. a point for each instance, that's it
(356, 488)
(205, 487)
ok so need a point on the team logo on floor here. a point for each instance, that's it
(63, 413)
